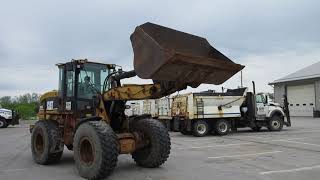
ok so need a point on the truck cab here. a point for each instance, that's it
(8, 117)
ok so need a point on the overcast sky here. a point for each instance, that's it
(271, 38)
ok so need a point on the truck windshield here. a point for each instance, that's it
(91, 79)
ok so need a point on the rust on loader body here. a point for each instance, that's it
(164, 54)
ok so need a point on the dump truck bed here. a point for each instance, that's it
(208, 105)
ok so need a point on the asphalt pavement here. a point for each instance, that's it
(293, 153)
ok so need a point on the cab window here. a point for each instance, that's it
(260, 99)
(91, 79)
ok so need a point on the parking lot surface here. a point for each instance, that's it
(293, 153)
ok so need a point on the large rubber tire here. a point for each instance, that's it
(96, 150)
(200, 128)
(46, 142)
(222, 127)
(158, 149)
(275, 123)
(3, 123)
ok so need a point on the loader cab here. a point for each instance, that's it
(80, 82)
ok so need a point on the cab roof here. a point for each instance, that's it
(85, 61)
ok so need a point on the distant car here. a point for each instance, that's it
(8, 117)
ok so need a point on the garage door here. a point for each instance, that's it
(301, 100)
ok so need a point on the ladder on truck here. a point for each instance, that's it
(200, 108)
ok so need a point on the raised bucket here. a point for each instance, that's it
(164, 54)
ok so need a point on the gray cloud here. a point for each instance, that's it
(35, 35)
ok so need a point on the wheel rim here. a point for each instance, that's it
(201, 128)
(1, 123)
(86, 151)
(39, 143)
(275, 124)
(223, 127)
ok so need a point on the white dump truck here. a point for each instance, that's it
(204, 112)
(8, 117)
(134, 108)
(159, 109)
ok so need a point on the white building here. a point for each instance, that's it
(302, 89)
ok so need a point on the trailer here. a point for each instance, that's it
(205, 112)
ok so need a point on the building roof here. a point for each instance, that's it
(310, 72)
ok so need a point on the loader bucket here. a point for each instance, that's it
(164, 54)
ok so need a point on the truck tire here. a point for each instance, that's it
(96, 150)
(46, 142)
(222, 127)
(275, 123)
(3, 123)
(158, 149)
(200, 128)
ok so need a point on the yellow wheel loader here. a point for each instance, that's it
(86, 113)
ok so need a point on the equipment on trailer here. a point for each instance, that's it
(87, 113)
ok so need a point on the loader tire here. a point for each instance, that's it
(158, 148)
(275, 123)
(96, 150)
(200, 128)
(222, 127)
(3, 123)
(46, 142)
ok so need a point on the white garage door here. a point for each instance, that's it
(301, 100)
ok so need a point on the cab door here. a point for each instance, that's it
(262, 108)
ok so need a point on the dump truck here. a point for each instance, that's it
(204, 112)
(8, 117)
(159, 109)
(134, 108)
(87, 112)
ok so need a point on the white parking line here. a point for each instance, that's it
(284, 139)
(200, 139)
(311, 144)
(290, 170)
(245, 155)
(222, 145)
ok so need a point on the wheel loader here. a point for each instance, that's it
(86, 113)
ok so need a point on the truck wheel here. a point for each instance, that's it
(3, 123)
(158, 149)
(96, 149)
(200, 128)
(222, 127)
(275, 123)
(46, 142)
